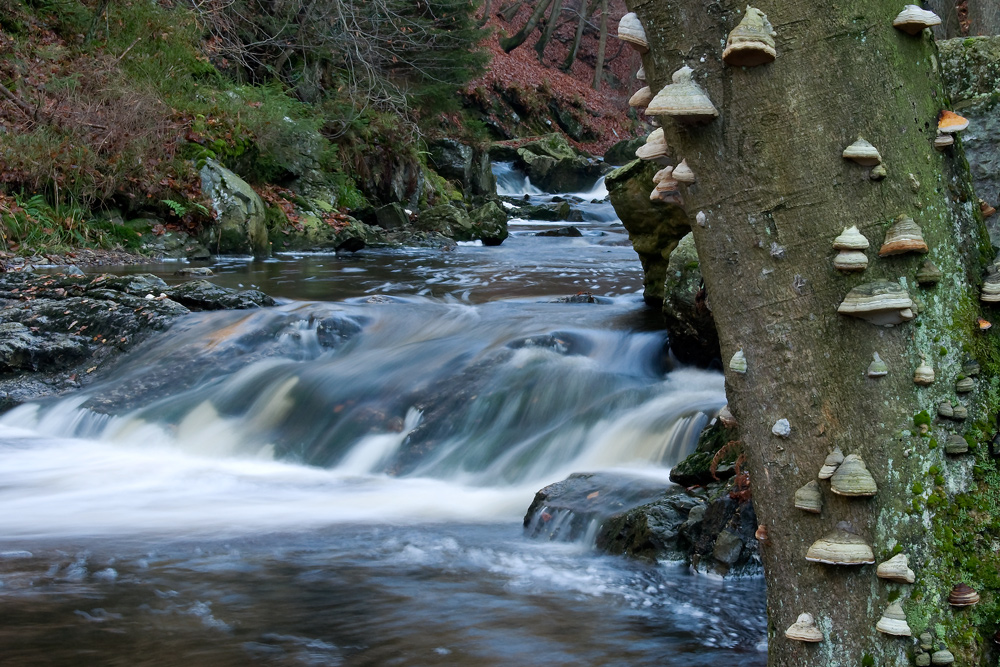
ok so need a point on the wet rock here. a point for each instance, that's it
(195, 271)
(562, 342)
(446, 220)
(567, 232)
(203, 295)
(728, 548)
(240, 226)
(686, 310)
(555, 166)
(490, 224)
(463, 163)
(545, 212)
(316, 233)
(695, 469)
(654, 228)
(57, 331)
(391, 216)
(582, 297)
(167, 244)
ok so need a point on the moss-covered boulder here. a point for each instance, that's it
(490, 223)
(654, 228)
(555, 166)
(447, 220)
(623, 152)
(687, 313)
(240, 225)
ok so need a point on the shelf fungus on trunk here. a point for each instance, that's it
(893, 621)
(912, 20)
(751, 43)
(924, 375)
(928, 274)
(683, 100)
(667, 188)
(630, 30)
(902, 237)
(641, 98)
(946, 410)
(809, 498)
(832, 462)
(959, 412)
(804, 630)
(683, 173)
(738, 363)
(851, 245)
(863, 153)
(655, 147)
(950, 122)
(877, 368)
(991, 289)
(965, 385)
(896, 569)
(943, 141)
(641, 74)
(955, 445)
(841, 547)
(986, 209)
(963, 595)
(942, 657)
(882, 302)
(853, 479)
(727, 418)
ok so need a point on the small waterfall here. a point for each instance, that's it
(511, 182)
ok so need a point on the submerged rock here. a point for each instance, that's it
(490, 224)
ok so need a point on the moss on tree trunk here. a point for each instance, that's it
(773, 192)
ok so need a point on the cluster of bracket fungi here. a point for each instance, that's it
(881, 302)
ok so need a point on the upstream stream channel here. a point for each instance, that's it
(341, 480)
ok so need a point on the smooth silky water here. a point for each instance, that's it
(341, 480)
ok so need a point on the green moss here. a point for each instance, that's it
(933, 470)
(932, 443)
(922, 418)
(868, 660)
(917, 488)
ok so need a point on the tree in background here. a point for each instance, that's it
(771, 193)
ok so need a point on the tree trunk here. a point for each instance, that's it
(602, 44)
(508, 44)
(984, 17)
(586, 9)
(772, 193)
(510, 12)
(550, 28)
(946, 9)
(487, 7)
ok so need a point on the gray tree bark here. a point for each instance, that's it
(508, 44)
(772, 192)
(601, 46)
(550, 28)
(984, 17)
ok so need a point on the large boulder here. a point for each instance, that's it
(623, 152)
(240, 225)
(490, 223)
(686, 310)
(555, 166)
(654, 228)
(971, 70)
(312, 232)
(447, 220)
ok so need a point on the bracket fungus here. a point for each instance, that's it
(655, 147)
(943, 141)
(893, 621)
(986, 209)
(924, 375)
(863, 153)
(955, 445)
(683, 100)
(738, 364)
(727, 418)
(902, 237)
(809, 498)
(942, 657)
(850, 260)
(882, 303)
(878, 172)
(832, 462)
(928, 273)
(877, 368)
(946, 410)
(965, 385)
(683, 173)
(641, 98)
(841, 547)
(912, 20)
(852, 478)
(991, 289)
(950, 122)
(963, 595)
(959, 412)
(667, 188)
(751, 43)
(896, 569)
(630, 30)
(804, 629)
(851, 239)
(641, 74)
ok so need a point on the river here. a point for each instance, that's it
(341, 480)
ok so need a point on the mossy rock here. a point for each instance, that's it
(241, 218)
(447, 220)
(490, 222)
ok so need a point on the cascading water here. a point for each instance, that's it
(342, 482)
